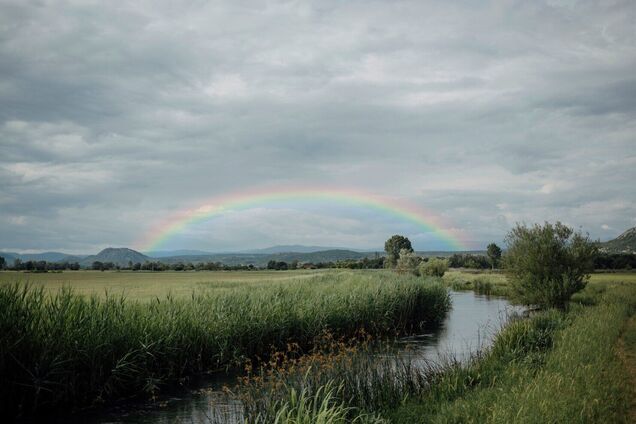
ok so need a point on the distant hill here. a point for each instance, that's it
(261, 259)
(182, 252)
(448, 253)
(291, 248)
(10, 257)
(625, 243)
(117, 255)
(331, 255)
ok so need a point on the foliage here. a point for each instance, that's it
(408, 262)
(393, 247)
(547, 263)
(364, 263)
(277, 265)
(488, 284)
(467, 260)
(66, 349)
(615, 261)
(368, 379)
(434, 267)
(494, 254)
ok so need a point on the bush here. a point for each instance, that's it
(408, 262)
(547, 264)
(434, 267)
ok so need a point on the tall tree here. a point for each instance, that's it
(393, 246)
(494, 254)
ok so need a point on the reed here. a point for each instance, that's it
(66, 350)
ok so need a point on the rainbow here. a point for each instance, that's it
(400, 209)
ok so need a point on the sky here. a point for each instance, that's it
(115, 116)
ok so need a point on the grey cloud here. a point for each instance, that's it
(114, 116)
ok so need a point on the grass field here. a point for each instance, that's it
(150, 285)
(140, 285)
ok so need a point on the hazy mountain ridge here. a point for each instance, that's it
(261, 259)
(118, 255)
(178, 252)
(10, 257)
(624, 243)
(291, 248)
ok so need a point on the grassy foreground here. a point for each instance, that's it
(63, 349)
(556, 367)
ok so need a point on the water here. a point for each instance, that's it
(469, 326)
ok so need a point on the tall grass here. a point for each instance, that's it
(321, 407)
(69, 350)
(486, 284)
(369, 375)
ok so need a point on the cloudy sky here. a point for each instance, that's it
(117, 115)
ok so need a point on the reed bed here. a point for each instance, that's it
(369, 375)
(555, 366)
(67, 350)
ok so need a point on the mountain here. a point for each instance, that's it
(448, 253)
(50, 257)
(261, 259)
(117, 255)
(331, 255)
(169, 253)
(625, 243)
(10, 257)
(291, 248)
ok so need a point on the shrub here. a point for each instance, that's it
(547, 264)
(408, 262)
(434, 267)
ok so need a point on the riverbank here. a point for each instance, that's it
(555, 366)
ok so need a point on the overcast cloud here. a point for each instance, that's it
(114, 115)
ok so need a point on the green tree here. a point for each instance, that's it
(547, 264)
(393, 246)
(494, 254)
(3, 262)
(434, 267)
(408, 262)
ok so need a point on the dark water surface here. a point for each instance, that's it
(470, 325)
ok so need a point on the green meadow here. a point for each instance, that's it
(141, 285)
(81, 339)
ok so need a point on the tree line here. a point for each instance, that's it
(393, 249)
